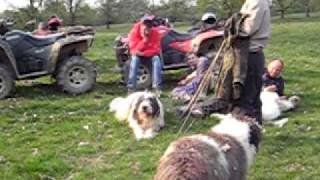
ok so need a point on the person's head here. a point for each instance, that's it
(42, 26)
(275, 68)
(209, 18)
(146, 25)
(192, 60)
(54, 22)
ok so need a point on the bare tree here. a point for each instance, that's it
(284, 6)
(223, 7)
(73, 7)
(307, 6)
(108, 9)
(33, 8)
(36, 4)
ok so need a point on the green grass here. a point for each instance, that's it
(45, 134)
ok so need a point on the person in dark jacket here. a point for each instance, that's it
(144, 43)
(272, 79)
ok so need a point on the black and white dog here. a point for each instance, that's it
(224, 153)
(273, 107)
(142, 110)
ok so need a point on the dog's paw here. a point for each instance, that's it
(157, 128)
(138, 134)
(139, 137)
(149, 134)
(162, 124)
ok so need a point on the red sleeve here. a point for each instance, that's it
(153, 46)
(134, 38)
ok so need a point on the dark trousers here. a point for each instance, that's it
(249, 102)
(250, 96)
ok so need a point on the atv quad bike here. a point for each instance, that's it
(24, 56)
(174, 48)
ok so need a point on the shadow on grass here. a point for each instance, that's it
(39, 91)
(112, 88)
(51, 91)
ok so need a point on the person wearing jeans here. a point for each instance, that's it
(156, 72)
(144, 43)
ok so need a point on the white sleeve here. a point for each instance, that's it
(255, 11)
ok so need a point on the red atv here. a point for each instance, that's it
(174, 48)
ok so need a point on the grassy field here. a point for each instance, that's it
(45, 134)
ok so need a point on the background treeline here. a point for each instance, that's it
(108, 12)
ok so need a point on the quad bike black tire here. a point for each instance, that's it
(76, 75)
(7, 82)
(144, 77)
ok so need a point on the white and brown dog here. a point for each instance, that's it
(224, 153)
(142, 110)
(273, 107)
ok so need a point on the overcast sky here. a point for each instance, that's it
(7, 4)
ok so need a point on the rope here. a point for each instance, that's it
(204, 82)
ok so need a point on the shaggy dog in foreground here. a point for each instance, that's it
(224, 153)
(273, 106)
(142, 110)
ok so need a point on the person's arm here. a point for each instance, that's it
(142, 44)
(188, 79)
(136, 44)
(255, 12)
(267, 84)
(270, 88)
(154, 45)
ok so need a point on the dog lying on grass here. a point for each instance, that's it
(273, 107)
(142, 110)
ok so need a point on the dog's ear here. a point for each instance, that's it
(155, 106)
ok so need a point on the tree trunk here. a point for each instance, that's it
(307, 11)
(282, 14)
(108, 24)
(73, 19)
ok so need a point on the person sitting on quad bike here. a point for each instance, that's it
(159, 21)
(208, 21)
(51, 27)
(144, 44)
(42, 30)
(54, 23)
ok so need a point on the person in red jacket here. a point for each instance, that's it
(54, 23)
(144, 43)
